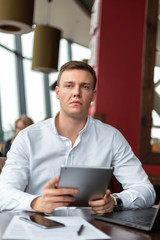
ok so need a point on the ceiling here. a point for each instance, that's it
(70, 16)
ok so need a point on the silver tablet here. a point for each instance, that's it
(91, 182)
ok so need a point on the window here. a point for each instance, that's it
(8, 85)
(155, 131)
(79, 52)
(34, 90)
(33, 81)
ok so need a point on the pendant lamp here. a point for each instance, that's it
(46, 48)
(16, 16)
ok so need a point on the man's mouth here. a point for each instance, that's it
(76, 103)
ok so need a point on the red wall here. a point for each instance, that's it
(119, 65)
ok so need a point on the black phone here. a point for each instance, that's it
(41, 221)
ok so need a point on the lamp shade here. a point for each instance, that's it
(16, 16)
(46, 48)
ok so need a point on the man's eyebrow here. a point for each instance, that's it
(67, 82)
(74, 82)
(88, 83)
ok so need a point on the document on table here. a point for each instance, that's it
(18, 229)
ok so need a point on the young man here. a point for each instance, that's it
(73, 138)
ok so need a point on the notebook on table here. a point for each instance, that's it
(147, 219)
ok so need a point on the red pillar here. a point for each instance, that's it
(120, 36)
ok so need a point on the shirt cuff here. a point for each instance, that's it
(26, 202)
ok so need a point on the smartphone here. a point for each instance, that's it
(41, 221)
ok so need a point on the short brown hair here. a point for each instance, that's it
(80, 66)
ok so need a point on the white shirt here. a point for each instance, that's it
(38, 152)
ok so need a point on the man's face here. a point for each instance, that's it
(75, 92)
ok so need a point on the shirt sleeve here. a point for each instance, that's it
(14, 178)
(138, 192)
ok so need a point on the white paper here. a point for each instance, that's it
(18, 229)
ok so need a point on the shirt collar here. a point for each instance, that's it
(54, 124)
(86, 125)
(83, 130)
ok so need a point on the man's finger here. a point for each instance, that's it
(108, 192)
(100, 202)
(59, 191)
(52, 183)
(55, 199)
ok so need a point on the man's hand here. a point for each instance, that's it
(53, 197)
(103, 205)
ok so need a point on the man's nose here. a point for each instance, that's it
(77, 91)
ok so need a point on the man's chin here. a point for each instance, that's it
(77, 113)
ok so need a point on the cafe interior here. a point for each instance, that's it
(120, 39)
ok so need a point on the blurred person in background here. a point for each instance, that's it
(22, 122)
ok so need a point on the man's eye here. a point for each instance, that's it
(86, 87)
(68, 85)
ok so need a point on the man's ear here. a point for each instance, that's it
(94, 95)
(57, 92)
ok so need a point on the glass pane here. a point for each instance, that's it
(54, 101)
(34, 82)
(63, 53)
(157, 80)
(7, 40)
(156, 118)
(27, 44)
(155, 112)
(34, 90)
(156, 74)
(79, 52)
(155, 130)
(54, 104)
(8, 87)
